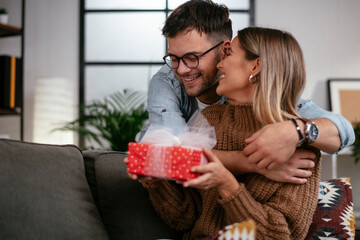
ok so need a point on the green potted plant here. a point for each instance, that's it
(4, 17)
(356, 146)
(113, 122)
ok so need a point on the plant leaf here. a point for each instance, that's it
(114, 120)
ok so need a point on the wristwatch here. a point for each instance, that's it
(311, 131)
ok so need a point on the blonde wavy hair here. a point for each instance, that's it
(282, 77)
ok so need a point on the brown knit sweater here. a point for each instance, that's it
(280, 210)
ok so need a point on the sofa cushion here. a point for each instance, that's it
(44, 193)
(334, 215)
(124, 204)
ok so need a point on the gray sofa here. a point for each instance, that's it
(60, 192)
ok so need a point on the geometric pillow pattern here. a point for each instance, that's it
(334, 215)
(333, 218)
(245, 230)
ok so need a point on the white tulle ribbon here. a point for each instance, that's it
(196, 135)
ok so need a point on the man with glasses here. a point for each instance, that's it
(190, 60)
(199, 34)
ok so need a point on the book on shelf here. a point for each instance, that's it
(10, 82)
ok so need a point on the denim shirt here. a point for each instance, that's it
(169, 105)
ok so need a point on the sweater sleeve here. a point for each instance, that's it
(287, 213)
(176, 205)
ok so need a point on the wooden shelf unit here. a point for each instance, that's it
(8, 30)
(5, 111)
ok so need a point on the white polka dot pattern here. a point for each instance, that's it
(172, 162)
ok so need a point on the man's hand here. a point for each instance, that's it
(272, 144)
(295, 170)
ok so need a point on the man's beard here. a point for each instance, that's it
(213, 84)
(209, 85)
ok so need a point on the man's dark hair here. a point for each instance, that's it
(204, 16)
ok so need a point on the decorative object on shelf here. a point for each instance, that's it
(344, 94)
(4, 16)
(10, 82)
(356, 146)
(114, 121)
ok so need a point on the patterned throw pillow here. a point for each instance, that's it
(333, 218)
(334, 215)
(238, 231)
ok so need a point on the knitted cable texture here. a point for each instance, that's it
(280, 210)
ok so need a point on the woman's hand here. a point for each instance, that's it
(213, 174)
(146, 181)
(132, 176)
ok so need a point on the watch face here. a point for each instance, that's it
(313, 132)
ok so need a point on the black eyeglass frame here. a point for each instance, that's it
(182, 58)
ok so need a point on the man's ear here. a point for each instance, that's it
(226, 46)
(256, 67)
(227, 43)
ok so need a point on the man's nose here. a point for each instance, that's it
(182, 68)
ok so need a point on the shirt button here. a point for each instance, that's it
(300, 105)
(164, 110)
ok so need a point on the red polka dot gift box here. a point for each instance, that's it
(156, 160)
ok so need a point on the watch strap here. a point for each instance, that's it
(302, 139)
(307, 129)
(303, 120)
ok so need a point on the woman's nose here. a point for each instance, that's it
(219, 65)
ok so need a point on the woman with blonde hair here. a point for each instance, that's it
(262, 75)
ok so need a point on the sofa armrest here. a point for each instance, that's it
(124, 204)
(44, 193)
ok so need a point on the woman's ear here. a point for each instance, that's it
(256, 67)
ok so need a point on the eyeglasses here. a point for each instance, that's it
(190, 60)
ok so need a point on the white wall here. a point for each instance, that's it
(51, 51)
(51, 63)
(328, 32)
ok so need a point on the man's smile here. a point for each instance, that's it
(190, 79)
